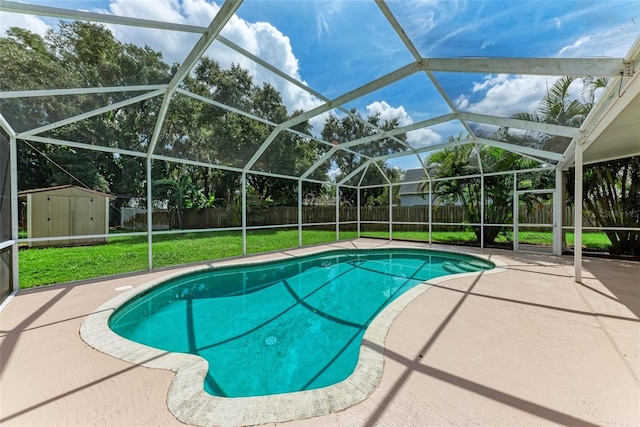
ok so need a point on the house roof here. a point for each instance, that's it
(412, 187)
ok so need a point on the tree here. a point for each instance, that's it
(612, 197)
(350, 128)
(557, 107)
(610, 188)
(462, 160)
(208, 133)
(79, 54)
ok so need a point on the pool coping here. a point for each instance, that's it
(186, 398)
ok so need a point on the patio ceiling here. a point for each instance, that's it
(612, 130)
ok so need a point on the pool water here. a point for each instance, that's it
(282, 326)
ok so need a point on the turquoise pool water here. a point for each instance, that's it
(282, 326)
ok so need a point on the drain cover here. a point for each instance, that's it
(270, 340)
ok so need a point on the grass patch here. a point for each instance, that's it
(56, 265)
(126, 254)
(593, 241)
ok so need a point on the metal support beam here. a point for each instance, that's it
(359, 218)
(267, 142)
(55, 12)
(294, 82)
(354, 172)
(4, 124)
(416, 55)
(222, 17)
(576, 67)
(577, 222)
(520, 149)
(551, 129)
(383, 81)
(379, 83)
(299, 213)
(225, 107)
(91, 113)
(337, 213)
(515, 212)
(13, 171)
(244, 213)
(79, 91)
(326, 156)
(430, 211)
(482, 211)
(390, 211)
(558, 206)
(81, 145)
(149, 216)
(400, 130)
(427, 149)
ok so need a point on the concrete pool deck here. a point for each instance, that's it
(527, 346)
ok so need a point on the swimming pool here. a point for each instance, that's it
(282, 326)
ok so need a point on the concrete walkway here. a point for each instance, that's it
(524, 347)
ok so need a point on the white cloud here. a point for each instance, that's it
(387, 112)
(505, 95)
(423, 138)
(613, 41)
(259, 38)
(334, 173)
(558, 23)
(490, 81)
(575, 46)
(29, 22)
(418, 138)
(325, 12)
(486, 44)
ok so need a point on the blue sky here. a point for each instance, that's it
(336, 46)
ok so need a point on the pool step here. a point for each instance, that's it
(477, 264)
(462, 266)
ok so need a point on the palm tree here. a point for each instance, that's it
(467, 192)
(611, 189)
(556, 108)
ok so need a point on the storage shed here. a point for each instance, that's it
(66, 210)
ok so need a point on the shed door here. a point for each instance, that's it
(82, 218)
(58, 219)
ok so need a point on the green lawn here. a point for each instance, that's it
(594, 241)
(126, 254)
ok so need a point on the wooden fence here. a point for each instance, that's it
(231, 217)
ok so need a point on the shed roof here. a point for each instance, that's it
(62, 187)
